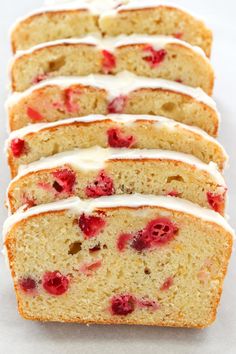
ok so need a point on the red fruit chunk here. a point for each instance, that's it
(71, 106)
(123, 305)
(216, 201)
(65, 181)
(157, 233)
(102, 186)
(122, 241)
(34, 115)
(108, 62)
(28, 285)
(161, 231)
(91, 226)
(55, 283)
(117, 105)
(89, 268)
(174, 194)
(96, 248)
(151, 304)
(154, 57)
(141, 241)
(178, 35)
(17, 147)
(46, 186)
(117, 140)
(179, 81)
(39, 78)
(28, 202)
(167, 284)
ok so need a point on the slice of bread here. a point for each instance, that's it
(150, 56)
(61, 98)
(36, 141)
(136, 260)
(95, 172)
(79, 19)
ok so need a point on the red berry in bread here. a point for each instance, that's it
(28, 285)
(167, 284)
(102, 186)
(70, 104)
(157, 233)
(88, 268)
(91, 226)
(154, 57)
(55, 283)
(65, 181)
(34, 115)
(123, 240)
(108, 62)
(17, 147)
(117, 105)
(117, 140)
(216, 201)
(123, 305)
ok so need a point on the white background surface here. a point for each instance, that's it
(20, 336)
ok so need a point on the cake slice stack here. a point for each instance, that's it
(117, 197)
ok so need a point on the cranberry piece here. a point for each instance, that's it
(71, 106)
(216, 201)
(28, 202)
(174, 194)
(88, 268)
(154, 57)
(123, 305)
(28, 285)
(91, 226)
(102, 186)
(39, 78)
(17, 147)
(117, 140)
(157, 233)
(34, 115)
(141, 241)
(167, 284)
(161, 231)
(117, 105)
(178, 35)
(57, 187)
(122, 241)
(55, 283)
(65, 181)
(108, 62)
(151, 304)
(96, 248)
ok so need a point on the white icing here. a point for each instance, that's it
(111, 43)
(140, 4)
(101, 8)
(77, 206)
(117, 118)
(121, 84)
(95, 158)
